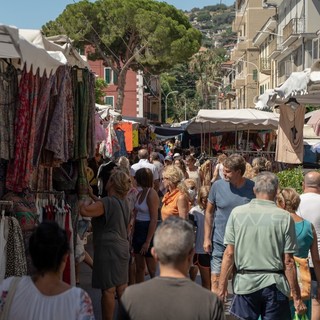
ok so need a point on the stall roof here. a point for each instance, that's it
(168, 131)
(30, 47)
(230, 120)
(9, 42)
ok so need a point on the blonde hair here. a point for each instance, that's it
(175, 176)
(221, 158)
(203, 193)
(190, 183)
(249, 174)
(289, 199)
(121, 182)
(260, 164)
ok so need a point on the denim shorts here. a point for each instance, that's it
(268, 302)
(216, 257)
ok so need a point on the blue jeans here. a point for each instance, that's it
(269, 303)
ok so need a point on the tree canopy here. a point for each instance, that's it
(129, 34)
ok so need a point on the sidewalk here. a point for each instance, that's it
(95, 294)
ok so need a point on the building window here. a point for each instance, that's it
(109, 100)
(110, 77)
(315, 49)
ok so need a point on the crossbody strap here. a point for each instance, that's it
(11, 291)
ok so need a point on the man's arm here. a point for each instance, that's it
(209, 215)
(226, 269)
(291, 275)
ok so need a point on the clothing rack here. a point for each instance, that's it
(48, 192)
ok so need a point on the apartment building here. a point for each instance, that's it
(288, 42)
(250, 17)
(142, 96)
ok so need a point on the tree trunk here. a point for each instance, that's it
(120, 90)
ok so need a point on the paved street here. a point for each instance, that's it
(85, 283)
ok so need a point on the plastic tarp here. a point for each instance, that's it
(30, 47)
(9, 42)
(168, 131)
(209, 120)
(59, 47)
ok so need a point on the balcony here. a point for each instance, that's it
(274, 48)
(292, 30)
(265, 65)
(240, 80)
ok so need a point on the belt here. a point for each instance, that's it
(259, 271)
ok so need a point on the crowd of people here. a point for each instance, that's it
(224, 218)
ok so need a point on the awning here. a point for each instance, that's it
(168, 131)
(232, 120)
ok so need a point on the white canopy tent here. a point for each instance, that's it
(209, 121)
(30, 47)
(232, 120)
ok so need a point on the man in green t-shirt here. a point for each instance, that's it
(261, 240)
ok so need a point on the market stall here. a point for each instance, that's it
(47, 131)
(242, 122)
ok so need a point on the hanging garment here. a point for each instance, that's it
(59, 140)
(128, 134)
(3, 244)
(121, 140)
(100, 131)
(135, 138)
(3, 173)
(16, 251)
(289, 147)
(8, 105)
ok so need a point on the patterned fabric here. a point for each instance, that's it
(24, 208)
(42, 116)
(3, 172)
(33, 94)
(8, 104)
(16, 264)
(84, 102)
(60, 129)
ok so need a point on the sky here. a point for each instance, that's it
(33, 14)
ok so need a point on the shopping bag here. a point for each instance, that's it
(304, 277)
(297, 317)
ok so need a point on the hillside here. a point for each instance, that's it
(215, 24)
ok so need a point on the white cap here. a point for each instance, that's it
(176, 155)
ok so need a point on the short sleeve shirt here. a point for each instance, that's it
(144, 163)
(225, 198)
(260, 233)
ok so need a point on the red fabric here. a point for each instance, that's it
(67, 269)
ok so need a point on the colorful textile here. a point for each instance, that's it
(59, 140)
(16, 262)
(8, 104)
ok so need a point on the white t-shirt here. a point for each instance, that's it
(29, 303)
(309, 209)
(144, 163)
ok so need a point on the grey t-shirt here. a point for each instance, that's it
(164, 298)
(226, 197)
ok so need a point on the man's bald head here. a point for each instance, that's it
(143, 154)
(312, 181)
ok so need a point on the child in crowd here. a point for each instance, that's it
(201, 258)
